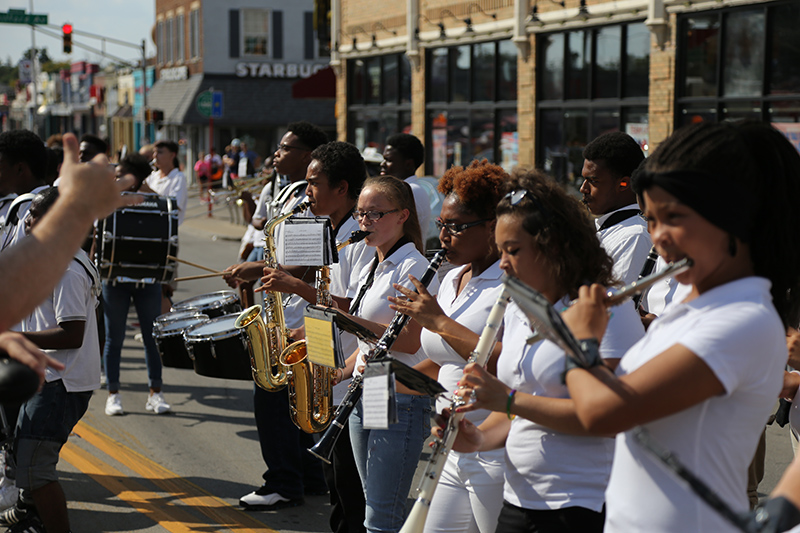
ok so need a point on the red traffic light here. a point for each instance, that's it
(67, 29)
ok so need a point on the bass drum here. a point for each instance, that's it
(168, 333)
(213, 304)
(133, 243)
(219, 349)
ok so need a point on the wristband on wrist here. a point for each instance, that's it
(591, 352)
(508, 404)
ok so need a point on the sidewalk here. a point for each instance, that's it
(219, 226)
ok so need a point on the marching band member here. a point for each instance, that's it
(704, 378)
(387, 459)
(556, 473)
(469, 495)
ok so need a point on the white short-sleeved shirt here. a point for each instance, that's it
(423, 204)
(5, 203)
(173, 184)
(470, 308)
(253, 235)
(548, 469)
(13, 234)
(627, 242)
(664, 292)
(375, 306)
(71, 300)
(736, 331)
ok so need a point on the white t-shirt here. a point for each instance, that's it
(5, 203)
(664, 292)
(13, 234)
(423, 205)
(173, 184)
(548, 469)
(71, 300)
(252, 235)
(736, 331)
(375, 307)
(627, 242)
(470, 309)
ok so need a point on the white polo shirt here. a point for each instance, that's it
(375, 306)
(627, 242)
(548, 469)
(423, 205)
(736, 331)
(173, 184)
(470, 308)
(71, 300)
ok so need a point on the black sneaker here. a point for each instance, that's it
(14, 514)
(30, 524)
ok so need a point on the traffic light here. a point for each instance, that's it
(66, 32)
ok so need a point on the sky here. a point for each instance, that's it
(126, 20)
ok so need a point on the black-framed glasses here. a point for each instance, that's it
(374, 216)
(515, 197)
(283, 147)
(454, 229)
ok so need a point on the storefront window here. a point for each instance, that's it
(744, 53)
(785, 50)
(608, 62)
(472, 105)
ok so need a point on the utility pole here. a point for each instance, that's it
(34, 75)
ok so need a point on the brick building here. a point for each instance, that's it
(257, 54)
(532, 81)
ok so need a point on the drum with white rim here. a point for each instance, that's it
(219, 349)
(168, 334)
(213, 304)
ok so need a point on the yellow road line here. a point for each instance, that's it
(128, 490)
(187, 492)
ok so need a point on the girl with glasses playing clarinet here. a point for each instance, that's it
(386, 458)
(556, 474)
(703, 380)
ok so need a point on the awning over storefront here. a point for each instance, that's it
(246, 101)
(321, 84)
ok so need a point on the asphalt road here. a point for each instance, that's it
(185, 471)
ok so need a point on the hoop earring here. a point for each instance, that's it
(732, 248)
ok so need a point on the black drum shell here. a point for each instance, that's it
(169, 338)
(223, 354)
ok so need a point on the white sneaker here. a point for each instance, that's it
(114, 405)
(139, 338)
(9, 494)
(157, 404)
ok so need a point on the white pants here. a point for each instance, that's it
(469, 495)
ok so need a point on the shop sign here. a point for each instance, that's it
(277, 70)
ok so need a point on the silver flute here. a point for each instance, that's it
(441, 447)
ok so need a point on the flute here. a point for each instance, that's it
(324, 448)
(441, 447)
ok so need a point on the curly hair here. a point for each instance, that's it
(308, 134)
(342, 161)
(763, 164)
(23, 146)
(477, 187)
(561, 229)
(399, 194)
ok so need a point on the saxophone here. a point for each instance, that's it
(266, 340)
(311, 385)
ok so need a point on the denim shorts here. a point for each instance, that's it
(44, 424)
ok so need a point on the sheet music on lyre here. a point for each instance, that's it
(307, 241)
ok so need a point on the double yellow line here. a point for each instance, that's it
(165, 510)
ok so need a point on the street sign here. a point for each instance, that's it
(18, 16)
(209, 104)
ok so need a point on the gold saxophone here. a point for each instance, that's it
(266, 340)
(311, 385)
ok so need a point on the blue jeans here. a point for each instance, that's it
(116, 302)
(387, 458)
(291, 470)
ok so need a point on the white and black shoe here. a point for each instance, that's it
(264, 499)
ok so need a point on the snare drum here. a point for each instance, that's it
(219, 349)
(134, 242)
(213, 304)
(168, 333)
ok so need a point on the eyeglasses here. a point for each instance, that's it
(374, 216)
(515, 197)
(454, 229)
(283, 147)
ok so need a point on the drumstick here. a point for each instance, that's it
(201, 276)
(201, 267)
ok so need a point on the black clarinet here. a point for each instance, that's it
(647, 269)
(324, 447)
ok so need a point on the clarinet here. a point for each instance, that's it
(324, 448)
(647, 269)
(441, 447)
